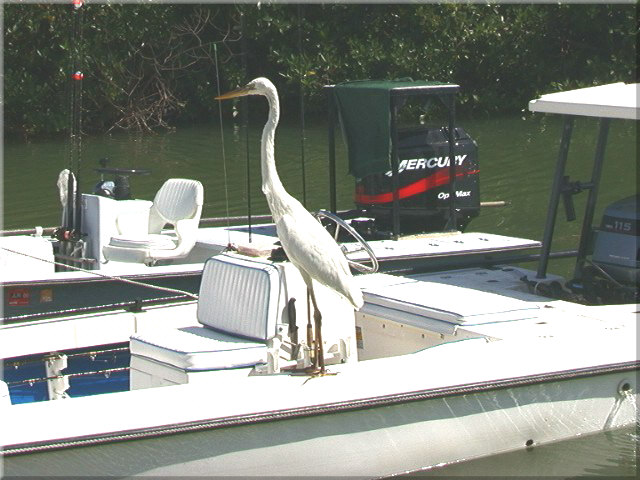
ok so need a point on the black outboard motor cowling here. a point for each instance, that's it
(423, 180)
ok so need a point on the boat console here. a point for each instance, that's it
(104, 217)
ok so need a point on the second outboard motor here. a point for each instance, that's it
(423, 182)
(615, 272)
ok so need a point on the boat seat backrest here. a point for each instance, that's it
(177, 199)
(179, 203)
(240, 297)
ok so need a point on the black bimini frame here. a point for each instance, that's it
(604, 102)
(398, 95)
(563, 188)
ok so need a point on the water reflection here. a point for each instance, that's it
(607, 454)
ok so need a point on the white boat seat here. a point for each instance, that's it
(144, 241)
(240, 296)
(198, 349)
(179, 203)
(238, 308)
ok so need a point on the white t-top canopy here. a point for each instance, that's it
(616, 100)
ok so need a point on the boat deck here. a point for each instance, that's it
(413, 248)
(473, 362)
(406, 314)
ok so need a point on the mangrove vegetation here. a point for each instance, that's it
(146, 67)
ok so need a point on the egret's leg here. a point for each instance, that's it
(309, 325)
(317, 317)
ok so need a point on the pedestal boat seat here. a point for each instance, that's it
(179, 203)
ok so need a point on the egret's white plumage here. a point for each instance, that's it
(305, 241)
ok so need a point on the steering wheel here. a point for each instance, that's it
(340, 223)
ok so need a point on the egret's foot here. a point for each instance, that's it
(315, 372)
(312, 371)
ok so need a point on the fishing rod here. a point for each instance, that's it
(76, 112)
(70, 232)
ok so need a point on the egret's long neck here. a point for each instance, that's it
(271, 185)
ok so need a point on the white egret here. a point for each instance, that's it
(308, 245)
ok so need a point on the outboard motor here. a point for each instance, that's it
(615, 272)
(423, 182)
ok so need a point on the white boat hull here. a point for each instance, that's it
(367, 436)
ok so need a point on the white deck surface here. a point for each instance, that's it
(213, 240)
(127, 410)
(67, 333)
(424, 245)
(492, 303)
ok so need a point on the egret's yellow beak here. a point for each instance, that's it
(238, 92)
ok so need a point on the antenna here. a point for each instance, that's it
(302, 126)
(224, 157)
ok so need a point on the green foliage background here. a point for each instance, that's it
(153, 66)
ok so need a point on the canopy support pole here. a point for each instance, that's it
(332, 152)
(587, 224)
(394, 168)
(452, 222)
(556, 190)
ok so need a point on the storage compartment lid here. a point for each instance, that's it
(430, 299)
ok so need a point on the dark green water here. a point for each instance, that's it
(605, 454)
(516, 160)
(517, 155)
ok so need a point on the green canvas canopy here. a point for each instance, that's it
(365, 115)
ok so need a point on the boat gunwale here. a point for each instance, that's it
(78, 313)
(101, 278)
(461, 253)
(314, 410)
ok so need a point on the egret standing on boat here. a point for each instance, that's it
(305, 241)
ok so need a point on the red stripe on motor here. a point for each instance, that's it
(423, 185)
